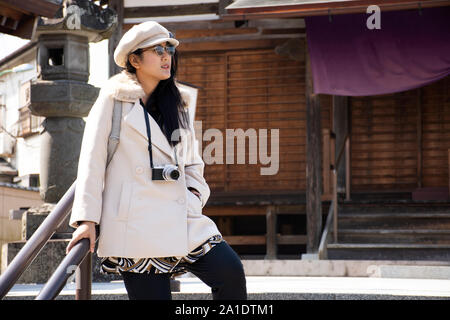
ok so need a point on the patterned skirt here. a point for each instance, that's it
(172, 265)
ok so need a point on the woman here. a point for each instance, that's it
(150, 230)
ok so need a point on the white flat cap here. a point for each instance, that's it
(142, 35)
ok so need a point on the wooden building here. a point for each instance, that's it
(250, 64)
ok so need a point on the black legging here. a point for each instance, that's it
(220, 269)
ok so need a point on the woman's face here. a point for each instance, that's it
(150, 64)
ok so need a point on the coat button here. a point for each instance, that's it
(180, 200)
(139, 170)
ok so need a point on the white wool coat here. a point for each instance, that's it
(138, 217)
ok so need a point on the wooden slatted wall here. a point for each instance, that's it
(265, 91)
(384, 142)
(251, 89)
(436, 133)
(400, 141)
(208, 71)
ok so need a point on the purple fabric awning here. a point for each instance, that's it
(409, 51)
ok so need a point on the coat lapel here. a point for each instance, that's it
(135, 118)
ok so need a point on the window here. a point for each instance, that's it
(2, 114)
(29, 180)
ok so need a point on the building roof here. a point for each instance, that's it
(260, 9)
(19, 18)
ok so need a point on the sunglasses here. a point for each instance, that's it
(160, 50)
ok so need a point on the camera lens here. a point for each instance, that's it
(171, 173)
(175, 174)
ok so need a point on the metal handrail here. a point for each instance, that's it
(37, 241)
(333, 211)
(335, 196)
(341, 150)
(66, 268)
(325, 235)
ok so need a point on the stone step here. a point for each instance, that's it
(388, 251)
(394, 207)
(394, 220)
(398, 236)
(363, 197)
(398, 215)
(335, 268)
(33, 218)
(397, 229)
(388, 245)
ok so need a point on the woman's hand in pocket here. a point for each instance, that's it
(85, 230)
(194, 191)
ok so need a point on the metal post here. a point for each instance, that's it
(335, 213)
(83, 279)
(327, 190)
(67, 267)
(271, 233)
(347, 169)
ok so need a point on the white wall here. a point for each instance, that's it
(28, 155)
(98, 63)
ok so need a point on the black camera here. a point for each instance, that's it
(168, 172)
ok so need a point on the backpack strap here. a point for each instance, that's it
(114, 136)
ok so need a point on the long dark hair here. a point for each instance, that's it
(167, 98)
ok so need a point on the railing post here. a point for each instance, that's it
(347, 169)
(83, 279)
(332, 149)
(271, 233)
(333, 165)
(65, 269)
(326, 161)
(335, 213)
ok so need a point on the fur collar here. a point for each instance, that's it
(125, 86)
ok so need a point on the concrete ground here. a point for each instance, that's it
(300, 280)
(277, 288)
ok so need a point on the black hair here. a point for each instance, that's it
(168, 100)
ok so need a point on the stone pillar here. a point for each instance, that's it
(62, 94)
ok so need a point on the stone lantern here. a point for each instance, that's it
(62, 94)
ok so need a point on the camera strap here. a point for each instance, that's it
(147, 124)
